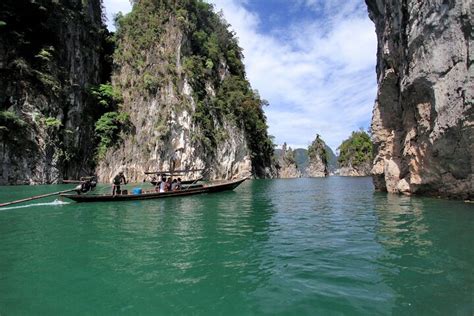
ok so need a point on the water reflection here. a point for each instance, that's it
(321, 249)
(186, 248)
(424, 255)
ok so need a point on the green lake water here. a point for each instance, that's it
(271, 247)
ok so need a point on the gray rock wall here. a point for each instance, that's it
(317, 168)
(362, 170)
(423, 117)
(49, 55)
(286, 163)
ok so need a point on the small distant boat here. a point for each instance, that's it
(148, 195)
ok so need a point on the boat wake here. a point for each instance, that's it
(55, 202)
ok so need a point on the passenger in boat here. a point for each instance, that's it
(163, 185)
(174, 185)
(178, 184)
(118, 180)
(168, 185)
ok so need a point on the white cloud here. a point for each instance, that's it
(113, 7)
(319, 76)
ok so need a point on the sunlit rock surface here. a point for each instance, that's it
(286, 163)
(318, 159)
(423, 116)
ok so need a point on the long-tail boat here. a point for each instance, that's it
(148, 195)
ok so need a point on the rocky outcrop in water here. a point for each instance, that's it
(318, 159)
(50, 52)
(286, 165)
(302, 160)
(355, 155)
(184, 89)
(423, 117)
(359, 171)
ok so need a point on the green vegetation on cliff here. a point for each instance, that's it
(286, 155)
(12, 128)
(108, 129)
(208, 59)
(356, 150)
(238, 102)
(51, 53)
(318, 149)
(10, 121)
(107, 96)
(111, 124)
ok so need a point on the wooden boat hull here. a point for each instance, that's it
(226, 186)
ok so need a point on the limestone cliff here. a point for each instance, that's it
(184, 89)
(318, 159)
(362, 170)
(50, 52)
(423, 118)
(302, 161)
(286, 165)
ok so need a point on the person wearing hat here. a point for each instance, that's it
(118, 179)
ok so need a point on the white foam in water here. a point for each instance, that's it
(55, 202)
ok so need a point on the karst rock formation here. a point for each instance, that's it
(422, 121)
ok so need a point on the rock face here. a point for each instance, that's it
(50, 52)
(423, 118)
(302, 160)
(362, 170)
(184, 88)
(287, 167)
(318, 159)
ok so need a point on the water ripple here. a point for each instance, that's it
(303, 246)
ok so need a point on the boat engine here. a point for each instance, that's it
(87, 184)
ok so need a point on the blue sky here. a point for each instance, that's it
(313, 60)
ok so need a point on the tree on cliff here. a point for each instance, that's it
(356, 150)
(318, 158)
(287, 155)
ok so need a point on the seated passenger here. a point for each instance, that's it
(163, 185)
(168, 185)
(178, 184)
(174, 185)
